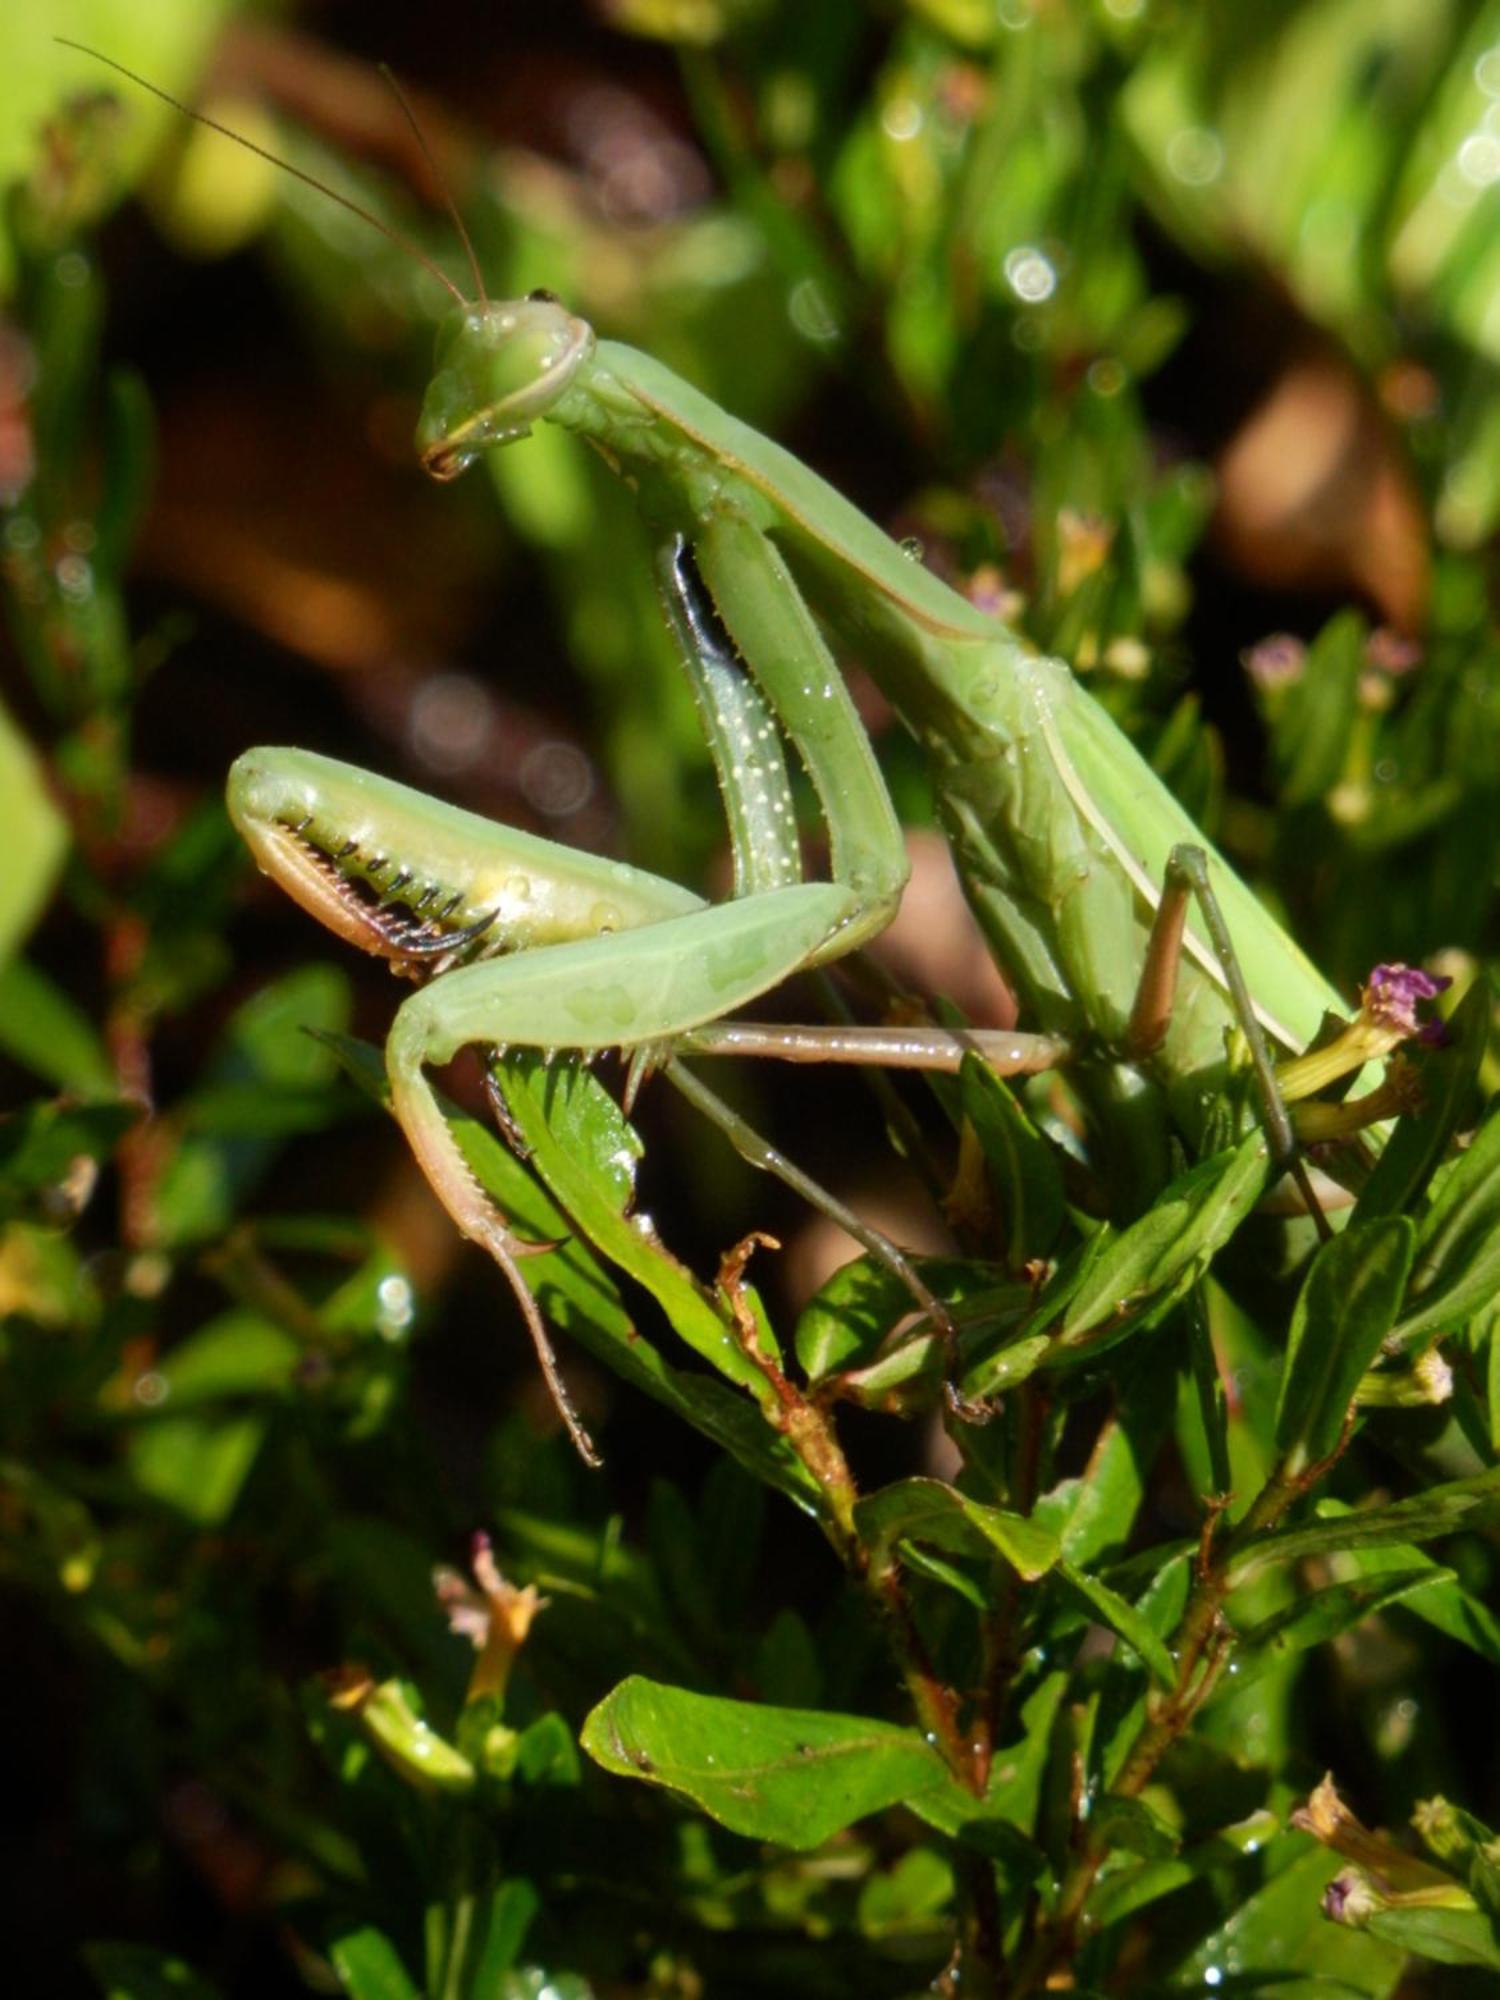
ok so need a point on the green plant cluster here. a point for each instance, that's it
(866, 1666)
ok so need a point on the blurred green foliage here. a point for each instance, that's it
(1018, 276)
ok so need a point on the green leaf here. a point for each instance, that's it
(512, 1907)
(1447, 1607)
(1023, 1167)
(196, 1464)
(1007, 1365)
(236, 1354)
(938, 1569)
(906, 1376)
(46, 1031)
(369, 1966)
(1457, 1267)
(847, 1321)
(1459, 1840)
(1443, 1603)
(138, 1972)
(786, 1667)
(273, 1060)
(1310, 735)
(1280, 1934)
(928, 1510)
(985, 1827)
(1147, 1268)
(900, 1898)
(475, 1934)
(390, 1715)
(1442, 1510)
(731, 1533)
(276, 1038)
(169, 43)
(1095, 1512)
(1346, 1307)
(794, 1776)
(1208, 1392)
(580, 1143)
(1110, 1609)
(1000, 1824)
(546, 1753)
(1448, 1937)
(1321, 1616)
(41, 1148)
(33, 838)
(1125, 1891)
(1119, 1822)
(677, 1556)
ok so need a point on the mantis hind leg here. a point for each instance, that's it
(1187, 878)
(761, 1153)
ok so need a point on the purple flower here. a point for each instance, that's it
(1391, 653)
(1275, 662)
(1392, 996)
(1350, 1898)
(1387, 1017)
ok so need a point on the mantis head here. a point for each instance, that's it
(500, 365)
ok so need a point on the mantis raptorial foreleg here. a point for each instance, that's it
(632, 961)
(434, 890)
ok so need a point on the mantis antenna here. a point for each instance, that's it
(403, 243)
(398, 92)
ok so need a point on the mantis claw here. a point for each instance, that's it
(536, 1326)
(500, 1110)
(521, 1246)
(644, 1062)
(508, 1251)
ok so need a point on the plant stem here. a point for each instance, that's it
(810, 1433)
(1202, 1646)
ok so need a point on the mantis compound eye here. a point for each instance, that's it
(499, 367)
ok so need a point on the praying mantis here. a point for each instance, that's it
(1077, 861)
(1075, 857)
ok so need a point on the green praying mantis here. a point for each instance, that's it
(1078, 863)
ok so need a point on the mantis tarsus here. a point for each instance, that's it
(1074, 855)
